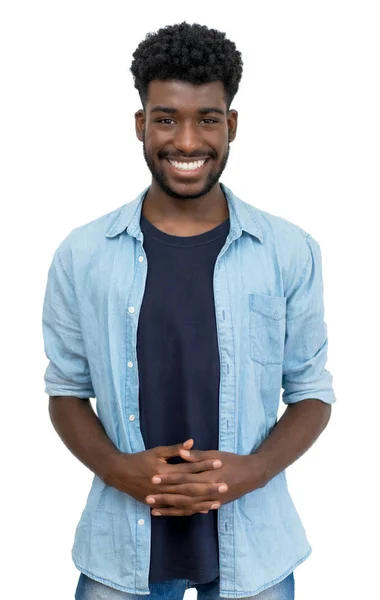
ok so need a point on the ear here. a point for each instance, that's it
(232, 121)
(140, 124)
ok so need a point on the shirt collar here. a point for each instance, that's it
(242, 216)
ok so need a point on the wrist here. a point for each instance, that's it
(259, 470)
(111, 467)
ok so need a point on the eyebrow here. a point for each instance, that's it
(203, 111)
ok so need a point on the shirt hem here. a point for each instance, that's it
(120, 588)
(222, 593)
(229, 594)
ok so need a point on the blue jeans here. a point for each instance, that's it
(88, 589)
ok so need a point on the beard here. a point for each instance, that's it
(162, 180)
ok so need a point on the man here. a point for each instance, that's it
(183, 313)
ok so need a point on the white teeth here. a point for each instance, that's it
(187, 166)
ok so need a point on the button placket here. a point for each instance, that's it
(132, 311)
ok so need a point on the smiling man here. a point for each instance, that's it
(184, 312)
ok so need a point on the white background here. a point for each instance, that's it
(307, 149)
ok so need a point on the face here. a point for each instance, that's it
(176, 128)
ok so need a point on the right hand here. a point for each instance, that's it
(133, 473)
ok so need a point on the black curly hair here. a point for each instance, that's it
(184, 52)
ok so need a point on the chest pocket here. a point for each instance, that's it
(267, 328)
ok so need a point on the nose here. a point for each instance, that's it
(187, 139)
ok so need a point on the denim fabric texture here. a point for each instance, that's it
(272, 339)
(88, 589)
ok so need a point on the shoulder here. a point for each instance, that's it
(83, 241)
(279, 229)
(290, 245)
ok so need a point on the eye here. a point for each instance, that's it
(210, 121)
(162, 120)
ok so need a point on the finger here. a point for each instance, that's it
(194, 467)
(193, 489)
(208, 490)
(177, 511)
(179, 500)
(170, 473)
(176, 500)
(164, 452)
(194, 455)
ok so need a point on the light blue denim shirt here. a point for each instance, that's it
(268, 292)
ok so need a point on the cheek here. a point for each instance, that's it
(157, 139)
(220, 146)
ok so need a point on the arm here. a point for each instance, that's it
(307, 384)
(83, 433)
(295, 432)
(67, 376)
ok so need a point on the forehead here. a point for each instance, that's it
(183, 95)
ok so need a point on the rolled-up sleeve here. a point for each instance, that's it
(67, 373)
(305, 355)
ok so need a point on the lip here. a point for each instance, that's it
(193, 173)
(187, 159)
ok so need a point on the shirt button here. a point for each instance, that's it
(130, 364)
(131, 309)
(141, 258)
(132, 417)
(141, 521)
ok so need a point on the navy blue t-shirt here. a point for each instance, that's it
(179, 373)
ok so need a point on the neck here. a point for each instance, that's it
(159, 207)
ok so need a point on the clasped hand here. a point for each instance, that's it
(189, 490)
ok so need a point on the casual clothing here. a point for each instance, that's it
(179, 374)
(268, 299)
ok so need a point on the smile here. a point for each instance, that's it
(187, 166)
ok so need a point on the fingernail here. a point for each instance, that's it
(157, 514)
(156, 480)
(185, 452)
(213, 506)
(204, 512)
(222, 488)
(216, 464)
(150, 500)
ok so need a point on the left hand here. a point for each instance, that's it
(181, 490)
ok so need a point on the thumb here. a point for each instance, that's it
(170, 451)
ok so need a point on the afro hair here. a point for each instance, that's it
(192, 53)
